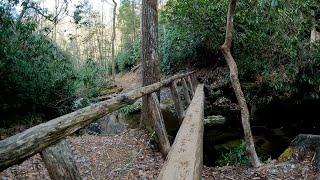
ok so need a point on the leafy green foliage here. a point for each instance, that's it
(236, 156)
(131, 108)
(36, 76)
(128, 21)
(271, 45)
(34, 71)
(129, 56)
(175, 47)
(129, 25)
(91, 79)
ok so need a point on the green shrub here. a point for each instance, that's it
(129, 56)
(35, 73)
(36, 76)
(91, 79)
(270, 46)
(236, 156)
(131, 108)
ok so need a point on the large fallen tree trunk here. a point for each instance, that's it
(19, 147)
(184, 160)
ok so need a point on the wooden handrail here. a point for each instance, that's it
(19, 147)
(184, 161)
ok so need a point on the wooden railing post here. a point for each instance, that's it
(176, 100)
(158, 124)
(60, 162)
(191, 86)
(184, 161)
(185, 90)
(195, 80)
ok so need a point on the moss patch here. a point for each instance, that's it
(287, 154)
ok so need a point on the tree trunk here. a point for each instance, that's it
(60, 162)
(55, 21)
(151, 68)
(113, 40)
(150, 62)
(134, 20)
(237, 87)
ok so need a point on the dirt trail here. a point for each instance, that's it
(123, 156)
(129, 81)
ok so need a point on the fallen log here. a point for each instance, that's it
(19, 147)
(184, 160)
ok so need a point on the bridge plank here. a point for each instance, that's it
(184, 160)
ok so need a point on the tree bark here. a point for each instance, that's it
(151, 69)
(150, 62)
(113, 40)
(19, 147)
(60, 162)
(134, 20)
(237, 87)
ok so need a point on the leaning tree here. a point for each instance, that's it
(237, 87)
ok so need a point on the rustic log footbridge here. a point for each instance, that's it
(184, 160)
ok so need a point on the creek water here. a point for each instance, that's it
(274, 126)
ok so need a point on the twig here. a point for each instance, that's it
(313, 157)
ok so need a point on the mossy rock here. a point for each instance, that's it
(214, 120)
(287, 154)
(109, 91)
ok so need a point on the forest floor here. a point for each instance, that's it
(129, 156)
